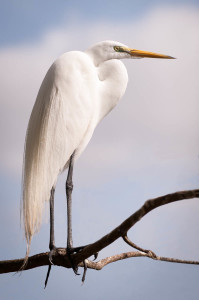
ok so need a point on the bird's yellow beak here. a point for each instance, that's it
(140, 53)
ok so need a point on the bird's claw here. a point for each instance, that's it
(50, 257)
(51, 254)
(70, 251)
(75, 268)
(85, 269)
(95, 256)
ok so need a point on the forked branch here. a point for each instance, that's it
(61, 258)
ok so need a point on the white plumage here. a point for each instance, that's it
(79, 89)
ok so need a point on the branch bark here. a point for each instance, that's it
(61, 258)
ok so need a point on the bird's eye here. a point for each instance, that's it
(117, 49)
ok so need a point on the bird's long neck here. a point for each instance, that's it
(113, 79)
(99, 54)
(95, 56)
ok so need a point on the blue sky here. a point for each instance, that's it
(148, 146)
(22, 21)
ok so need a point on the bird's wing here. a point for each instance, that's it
(59, 121)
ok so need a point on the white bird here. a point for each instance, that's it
(78, 91)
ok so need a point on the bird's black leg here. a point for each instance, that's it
(52, 230)
(70, 248)
(52, 234)
(69, 189)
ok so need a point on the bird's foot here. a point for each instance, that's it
(51, 254)
(72, 250)
(78, 249)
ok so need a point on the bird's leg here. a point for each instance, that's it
(52, 234)
(69, 188)
(70, 248)
(52, 231)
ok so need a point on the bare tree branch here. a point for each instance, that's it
(61, 258)
(103, 262)
(123, 228)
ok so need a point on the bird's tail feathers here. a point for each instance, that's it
(26, 257)
(42, 159)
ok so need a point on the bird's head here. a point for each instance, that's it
(114, 50)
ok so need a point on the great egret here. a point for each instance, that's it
(78, 91)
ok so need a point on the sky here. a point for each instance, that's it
(148, 145)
